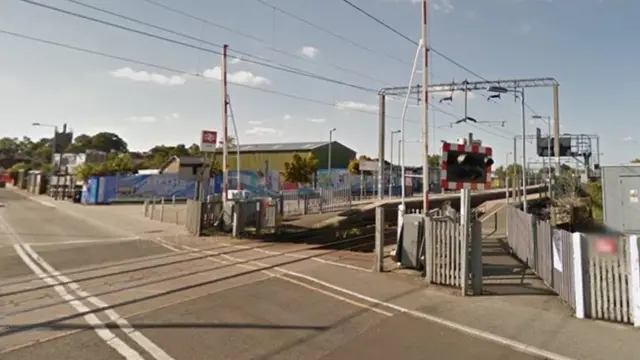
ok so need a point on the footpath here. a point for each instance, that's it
(535, 321)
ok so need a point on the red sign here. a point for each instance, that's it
(605, 246)
(208, 140)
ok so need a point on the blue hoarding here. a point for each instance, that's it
(126, 188)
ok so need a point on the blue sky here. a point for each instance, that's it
(582, 43)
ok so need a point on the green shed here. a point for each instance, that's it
(255, 156)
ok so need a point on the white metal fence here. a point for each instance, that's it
(597, 275)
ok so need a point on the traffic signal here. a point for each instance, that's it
(466, 164)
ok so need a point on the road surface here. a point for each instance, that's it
(71, 289)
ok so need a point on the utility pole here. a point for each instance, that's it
(235, 131)
(225, 125)
(425, 99)
(524, 153)
(381, 130)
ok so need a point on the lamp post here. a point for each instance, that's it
(547, 119)
(53, 140)
(520, 92)
(53, 151)
(393, 132)
(329, 158)
(506, 175)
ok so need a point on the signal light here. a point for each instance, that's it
(465, 166)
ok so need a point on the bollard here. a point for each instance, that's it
(153, 208)
(146, 208)
(162, 209)
(378, 266)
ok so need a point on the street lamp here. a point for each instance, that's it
(393, 132)
(329, 159)
(548, 121)
(53, 140)
(520, 92)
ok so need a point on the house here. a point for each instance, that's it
(185, 166)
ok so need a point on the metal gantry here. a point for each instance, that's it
(511, 85)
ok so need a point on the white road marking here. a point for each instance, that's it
(450, 324)
(300, 256)
(485, 335)
(98, 326)
(72, 242)
(109, 337)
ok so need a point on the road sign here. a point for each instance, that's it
(368, 165)
(208, 141)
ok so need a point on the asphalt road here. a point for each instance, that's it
(70, 289)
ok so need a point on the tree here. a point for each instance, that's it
(635, 161)
(300, 169)
(434, 160)
(108, 142)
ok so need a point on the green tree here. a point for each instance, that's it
(300, 169)
(108, 142)
(434, 160)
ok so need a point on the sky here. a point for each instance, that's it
(583, 44)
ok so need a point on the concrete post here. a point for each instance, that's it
(465, 219)
(379, 247)
(476, 258)
(428, 251)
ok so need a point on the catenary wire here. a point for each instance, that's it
(392, 29)
(180, 72)
(195, 47)
(329, 32)
(262, 42)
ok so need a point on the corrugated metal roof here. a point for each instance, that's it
(295, 146)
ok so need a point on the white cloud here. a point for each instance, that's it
(627, 139)
(255, 122)
(234, 61)
(317, 120)
(239, 77)
(309, 51)
(144, 119)
(262, 131)
(287, 117)
(352, 105)
(143, 76)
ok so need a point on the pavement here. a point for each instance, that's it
(104, 280)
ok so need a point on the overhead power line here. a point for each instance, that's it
(179, 71)
(196, 47)
(262, 42)
(395, 31)
(329, 32)
(392, 29)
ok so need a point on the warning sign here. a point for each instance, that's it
(633, 196)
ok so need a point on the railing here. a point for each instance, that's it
(313, 201)
(547, 251)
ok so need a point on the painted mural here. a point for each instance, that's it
(126, 188)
